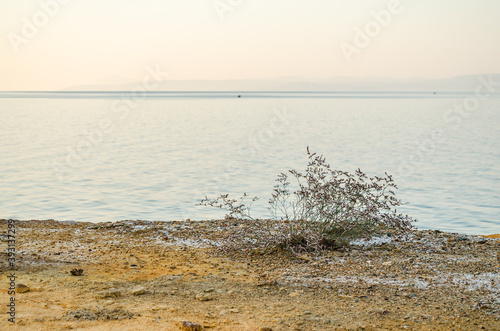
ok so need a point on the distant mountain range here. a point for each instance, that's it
(459, 83)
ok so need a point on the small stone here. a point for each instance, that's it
(234, 310)
(294, 294)
(21, 288)
(265, 329)
(307, 312)
(203, 297)
(138, 290)
(191, 326)
(76, 272)
(209, 290)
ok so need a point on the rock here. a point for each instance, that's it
(234, 310)
(191, 326)
(138, 290)
(21, 288)
(111, 293)
(76, 272)
(307, 312)
(294, 294)
(209, 290)
(265, 329)
(203, 297)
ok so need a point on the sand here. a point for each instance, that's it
(139, 275)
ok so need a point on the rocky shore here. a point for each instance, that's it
(141, 275)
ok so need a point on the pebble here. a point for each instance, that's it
(234, 310)
(265, 329)
(21, 288)
(203, 297)
(138, 290)
(76, 272)
(191, 326)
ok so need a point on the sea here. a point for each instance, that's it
(111, 156)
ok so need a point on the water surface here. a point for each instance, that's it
(107, 157)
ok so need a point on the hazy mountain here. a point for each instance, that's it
(460, 83)
(113, 80)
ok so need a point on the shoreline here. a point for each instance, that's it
(188, 220)
(425, 280)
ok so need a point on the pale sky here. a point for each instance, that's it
(85, 41)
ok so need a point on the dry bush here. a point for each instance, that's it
(327, 210)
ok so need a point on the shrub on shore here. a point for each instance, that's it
(327, 209)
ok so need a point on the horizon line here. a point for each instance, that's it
(240, 91)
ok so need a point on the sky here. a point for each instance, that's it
(53, 44)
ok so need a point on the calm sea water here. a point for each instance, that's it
(106, 157)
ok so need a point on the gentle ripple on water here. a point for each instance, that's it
(164, 155)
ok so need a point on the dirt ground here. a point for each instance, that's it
(140, 275)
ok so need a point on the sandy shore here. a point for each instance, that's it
(140, 275)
